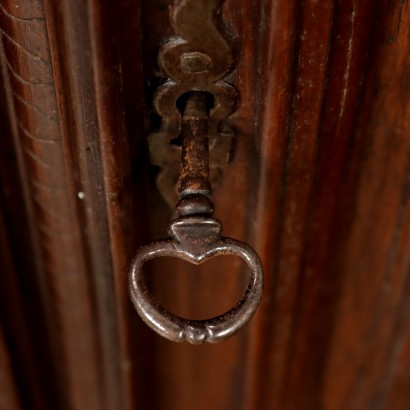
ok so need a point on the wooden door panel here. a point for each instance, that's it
(318, 184)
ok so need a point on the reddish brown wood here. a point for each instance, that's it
(24, 366)
(318, 184)
(8, 392)
(373, 313)
(18, 287)
(51, 198)
(318, 252)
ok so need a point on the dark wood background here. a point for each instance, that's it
(319, 185)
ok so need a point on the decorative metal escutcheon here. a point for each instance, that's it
(195, 235)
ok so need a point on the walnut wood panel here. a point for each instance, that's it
(56, 210)
(327, 154)
(318, 185)
(8, 391)
(19, 288)
(9, 397)
(21, 379)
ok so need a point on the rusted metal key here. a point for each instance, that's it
(195, 236)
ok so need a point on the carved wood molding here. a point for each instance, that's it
(321, 162)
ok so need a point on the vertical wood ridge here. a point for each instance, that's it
(117, 73)
(8, 390)
(381, 143)
(53, 198)
(318, 184)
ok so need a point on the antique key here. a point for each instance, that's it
(195, 236)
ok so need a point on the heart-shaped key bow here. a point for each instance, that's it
(195, 236)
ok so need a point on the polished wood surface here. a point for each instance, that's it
(318, 184)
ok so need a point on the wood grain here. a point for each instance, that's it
(318, 184)
(53, 204)
(8, 392)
